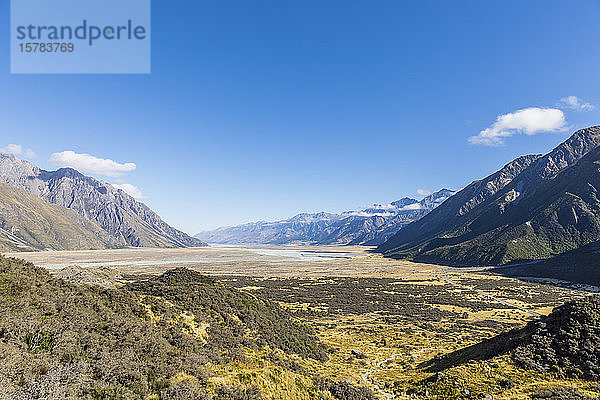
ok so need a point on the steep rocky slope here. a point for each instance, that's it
(27, 223)
(119, 214)
(370, 226)
(160, 337)
(535, 207)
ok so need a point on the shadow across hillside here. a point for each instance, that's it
(579, 266)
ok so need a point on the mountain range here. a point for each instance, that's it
(370, 226)
(124, 221)
(535, 207)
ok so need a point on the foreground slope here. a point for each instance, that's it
(27, 223)
(557, 356)
(566, 343)
(115, 211)
(370, 226)
(535, 207)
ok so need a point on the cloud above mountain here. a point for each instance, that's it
(17, 150)
(528, 121)
(423, 192)
(575, 103)
(87, 163)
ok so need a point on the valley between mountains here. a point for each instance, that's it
(487, 292)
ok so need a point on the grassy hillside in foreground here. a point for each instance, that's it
(183, 335)
(27, 223)
(543, 209)
(160, 338)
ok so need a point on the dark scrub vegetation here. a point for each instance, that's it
(391, 297)
(566, 343)
(62, 341)
(229, 313)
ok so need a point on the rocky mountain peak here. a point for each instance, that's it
(568, 152)
(368, 226)
(114, 210)
(437, 198)
(405, 201)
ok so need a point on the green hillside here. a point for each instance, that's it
(556, 356)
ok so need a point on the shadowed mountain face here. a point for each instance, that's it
(535, 207)
(27, 223)
(125, 219)
(370, 226)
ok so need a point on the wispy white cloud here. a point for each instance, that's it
(130, 189)
(383, 210)
(90, 164)
(17, 150)
(575, 103)
(423, 192)
(414, 206)
(528, 121)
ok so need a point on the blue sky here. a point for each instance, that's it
(260, 110)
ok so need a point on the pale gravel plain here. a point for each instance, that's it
(264, 261)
